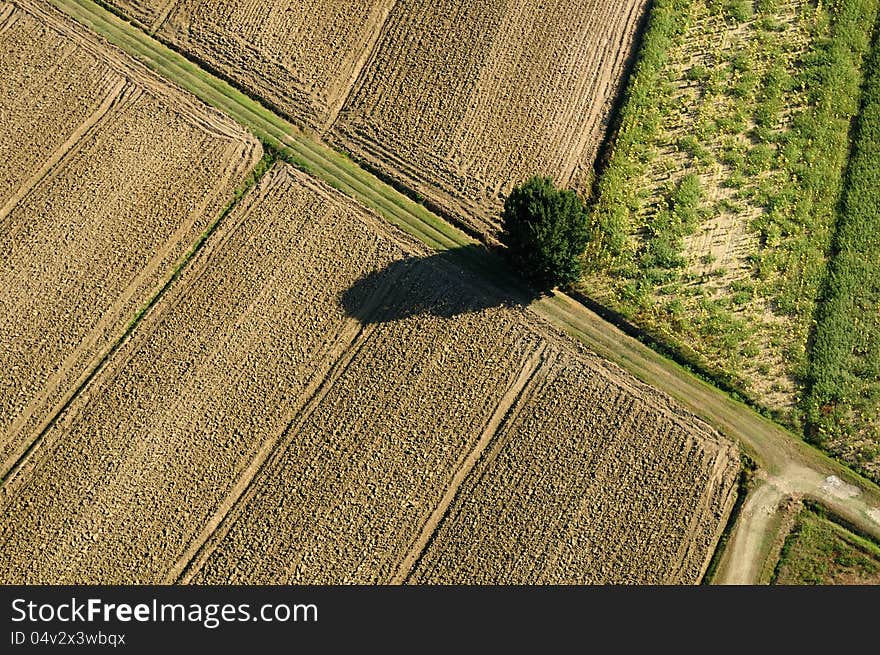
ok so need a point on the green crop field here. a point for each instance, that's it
(820, 551)
(716, 213)
(844, 404)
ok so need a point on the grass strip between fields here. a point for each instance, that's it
(769, 444)
(250, 180)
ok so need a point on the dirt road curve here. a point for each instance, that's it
(789, 466)
(750, 545)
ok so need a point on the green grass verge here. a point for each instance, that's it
(820, 551)
(844, 402)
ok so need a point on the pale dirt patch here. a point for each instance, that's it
(838, 488)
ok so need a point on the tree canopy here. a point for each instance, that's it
(546, 232)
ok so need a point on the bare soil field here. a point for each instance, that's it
(188, 407)
(588, 481)
(462, 100)
(46, 82)
(303, 57)
(267, 424)
(456, 100)
(114, 176)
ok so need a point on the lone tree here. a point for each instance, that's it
(545, 231)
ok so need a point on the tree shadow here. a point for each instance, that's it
(458, 281)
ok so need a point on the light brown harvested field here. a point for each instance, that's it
(105, 208)
(303, 56)
(588, 481)
(348, 499)
(46, 82)
(461, 100)
(373, 456)
(265, 423)
(206, 386)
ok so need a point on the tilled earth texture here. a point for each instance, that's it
(302, 56)
(317, 396)
(462, 100)
(109, 176)
(456, 100)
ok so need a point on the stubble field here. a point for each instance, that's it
(457, 101)
(303, 57)
(265, 423)
(114, 175)
(461, 101)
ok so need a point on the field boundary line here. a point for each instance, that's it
(237, 170)
(350, 339)
(520, 386)
(163, 15)
(355, 79)
(70, 145)
(16, 469)
(335, 359)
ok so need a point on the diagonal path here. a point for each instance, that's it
(790, 466)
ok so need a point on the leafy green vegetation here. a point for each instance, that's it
(818, 551)
(714, 216)
(545, 231)
(844, 404)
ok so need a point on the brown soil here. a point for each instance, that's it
(101, 212)
(210, 380)
(589, 481)
(457, 100)
(462, 100)
(145, 12)
(303, 56)
(252, 430)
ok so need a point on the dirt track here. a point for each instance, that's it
(746, 554)
(282, 416)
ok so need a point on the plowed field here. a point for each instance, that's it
(264, 423)
(589, 481)
(114, 175)
(461, 100)
(301, 56)
(212, 378)
(456, 100)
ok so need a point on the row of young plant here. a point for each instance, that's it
(794, 175)
(843, 408)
